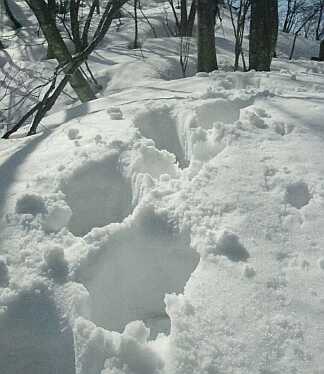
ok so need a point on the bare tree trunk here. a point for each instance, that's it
(183, 18)
(78, 82)
(275, 25)
(321, 54)
(261, 34)
(98, 6)
(207, 60)
(135, 44)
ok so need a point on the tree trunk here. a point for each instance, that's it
(135, 44)
(261, 34)
(321, 54)
(54, 39)
(319, 22)
(275, 25)
(184, 18)
(207, 60)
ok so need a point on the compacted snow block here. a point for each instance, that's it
(34, 337)
(98, 194)
(141, 261)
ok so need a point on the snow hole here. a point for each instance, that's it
(158, 124)
(216, 110)
(140, 263)
(297, 194)
(98, 194)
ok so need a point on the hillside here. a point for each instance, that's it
(174, 225)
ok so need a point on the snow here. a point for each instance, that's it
(172, 226)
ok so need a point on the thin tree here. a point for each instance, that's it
(239, 28)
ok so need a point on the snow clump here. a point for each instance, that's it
(229, 245)
(30, 204)
(55, 263)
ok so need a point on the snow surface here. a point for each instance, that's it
(172, 226)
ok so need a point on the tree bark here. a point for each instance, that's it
(321, 54)
(275, 25)
(135, 43)
(183, 18)
(262, 36)
(207, 60)
(77, 81)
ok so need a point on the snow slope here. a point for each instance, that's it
(173, 226)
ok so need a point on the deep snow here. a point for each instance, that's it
(172, 226)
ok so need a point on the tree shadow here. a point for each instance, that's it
(10, 168)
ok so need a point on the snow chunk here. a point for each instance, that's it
(115, 113)
(249, 271)
(58, 216)
(73, 134)
(206, 144)
(134, 358)
(138, 331)
(4, 273)
(30, 204)
(297, 194)
(55, 263)
(254, 119)
(229, 245)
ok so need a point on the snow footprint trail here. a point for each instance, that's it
(139, 262)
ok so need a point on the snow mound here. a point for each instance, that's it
(98, 194)
(105, 352)
(140, 261)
